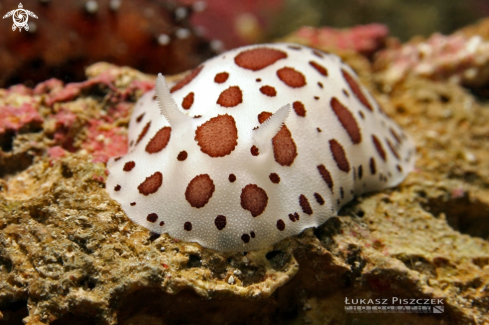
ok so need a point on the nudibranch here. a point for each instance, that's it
(253, 146)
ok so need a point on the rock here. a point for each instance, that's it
(69, 254)
(460, 58)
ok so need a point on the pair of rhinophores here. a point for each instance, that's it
(255, 145)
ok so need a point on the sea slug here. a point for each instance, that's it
(253, 146)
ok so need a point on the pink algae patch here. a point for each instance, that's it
(364, 39)
(104, 141)
(58, 93)
(56, 152)
(48, 86)
(17, 118)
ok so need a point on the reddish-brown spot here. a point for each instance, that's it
(131, 143)
(245, 238)
(284, 148)
(399, 168)
(319, 68)
(143, 133)
(230, 97)
(319, 198)
(187, 226)
(258, 58)
(258, 80)
(319, 130)
(360, 172)
(280, 225)
(220, 222)
(252, 233)
(159, 141)
(199, 190)
(151, 184)
(152, 217)
(317, 53)
(133, 204)
(218, 136)
(378, 146)
(339, 155)
(221, 77)
(393, 150)
(291, 77)
(254, 151)
(294, 47)
(395, 135)
(268, 90)
(118, 158)
(304, 203)
(326, 176)
(372, 166)
(182, 155)
(140, 117)
(188, 78)
(299, 108)
(347, 120)
(355, 88)
(128, 166)
(316, 97)
(188, 101)
(232, 178)
(162, 223)
(294, 217)
(254, 199)
(263, 116)
(346, 93)
(117, 188)
(361, 115)
(154, 97)
(274, 178)
(320, 85)
(197, 116)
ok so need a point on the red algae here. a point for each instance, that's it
(16, 118)
(363, 39)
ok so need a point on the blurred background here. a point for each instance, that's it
(174, 36)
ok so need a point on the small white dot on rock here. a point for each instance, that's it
(217, 45)
(231, 279)
(180, 13)
(182, 33)
(115, 5)
(91, 6)
(32, 27)
(163, 39)
(199, 6)
(470, 157)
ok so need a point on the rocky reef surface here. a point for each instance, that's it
(69, 255)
